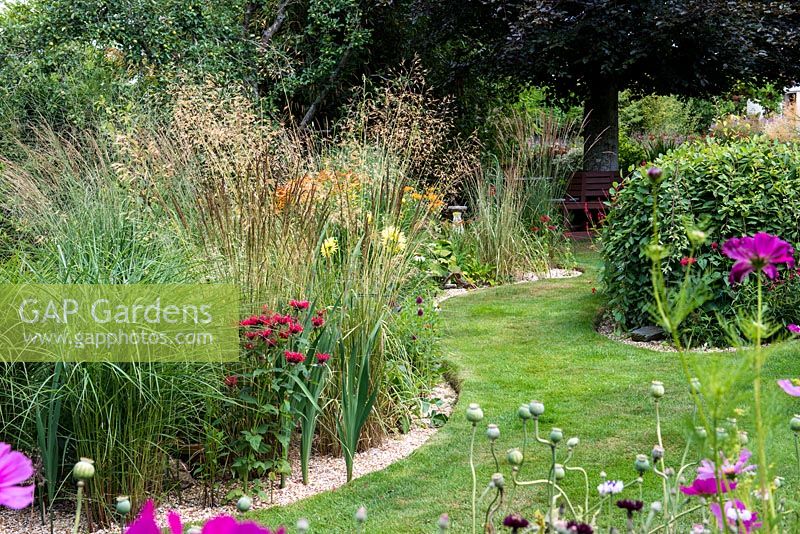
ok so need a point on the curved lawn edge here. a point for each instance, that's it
(508, 345)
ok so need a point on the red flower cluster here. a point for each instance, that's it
(299, 304)
(544, 219)
(323, 357)
(688, 260)
(231, 381)
(294, 357)
(271, 327)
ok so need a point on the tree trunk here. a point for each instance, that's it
(601, 130)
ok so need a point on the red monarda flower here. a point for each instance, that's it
(551, 228)
(544, 219)
(231, 381)
(534, 228)
(285, 335)
(299, 304)
(688, 260)
(294, 357)
(317, 321)
(249, 346)
(295, 328)
(264, 334)
(714, 245)
(250, 321)
(323, 357)
(250, 334)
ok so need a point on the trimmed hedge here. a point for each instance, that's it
(730, 189)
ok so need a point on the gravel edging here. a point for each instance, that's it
(606, 328)
(325, 473)
(447, 294)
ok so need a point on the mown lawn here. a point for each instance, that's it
(512, 344)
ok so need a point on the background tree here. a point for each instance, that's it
(595, 48)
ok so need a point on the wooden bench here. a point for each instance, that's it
(587, 193)
(589, 190)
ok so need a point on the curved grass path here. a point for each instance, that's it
(512, 344)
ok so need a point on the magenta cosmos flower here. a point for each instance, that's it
(146, 524)
(15, 468)
(762, 252)
(793, 328)
(737, 517)
(790, 386)
(706, 482)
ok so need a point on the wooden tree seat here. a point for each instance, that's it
(588, 190)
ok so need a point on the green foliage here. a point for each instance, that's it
(536, 100)
(631, 153)
(655, 114)
(730, 189)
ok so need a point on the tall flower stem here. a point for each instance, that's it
(667, 503)
(760, 430)
(78, 508)
(552, 479)
(797, 450)
(474, 478)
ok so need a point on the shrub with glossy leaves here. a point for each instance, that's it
(729, 189)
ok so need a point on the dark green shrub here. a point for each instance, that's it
(730, 189)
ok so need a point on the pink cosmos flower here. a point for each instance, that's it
(706, 483)
(762, 252)
(15, 468)
(790, 386)
(737, 517)
(793, 328)
(146, 524)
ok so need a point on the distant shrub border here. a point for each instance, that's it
(727, 188)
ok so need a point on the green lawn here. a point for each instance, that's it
(512, 344)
